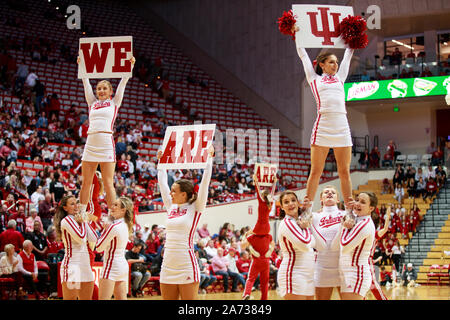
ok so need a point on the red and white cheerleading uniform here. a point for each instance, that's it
(325, 226)
(113, 242)
(296, 272)
(355, 255)
(76, 265)
(180, 266)
(375, 287)
(260, 241)
(100, 145)
(331, 128)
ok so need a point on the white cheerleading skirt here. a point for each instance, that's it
(99, 147)
(326, 271)
(116, 268)
(76, 268)
(331, 130)
(296, 276)
(357, 279)
(179, 266)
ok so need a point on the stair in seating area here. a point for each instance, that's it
(432, 238)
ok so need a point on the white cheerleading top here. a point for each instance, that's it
(327, 90)
(325, 226)
(356, 243)
(182, 220)
(102, 114)
(295, 242)
(113, 242)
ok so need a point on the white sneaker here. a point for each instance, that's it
(246, 297)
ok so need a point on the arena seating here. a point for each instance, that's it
(215, 103)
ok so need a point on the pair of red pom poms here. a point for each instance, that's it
(351, 29)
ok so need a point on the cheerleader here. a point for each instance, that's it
(296, 273)
(76, 275)
(331, 129)
(325, 225)
(379, 234)
(113, 241)
(180, 273)
(355, 239)
(100, 145)
(260, 243)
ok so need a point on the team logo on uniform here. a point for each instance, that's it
(100, 105)
(177, 213)
(329, 79)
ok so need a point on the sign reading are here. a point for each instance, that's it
(105, 57)
(186, 147)
(265, 173)
(318, 25)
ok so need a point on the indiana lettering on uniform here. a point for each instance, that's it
(105, 57)
(176, 213)
(326, 222)
(195, 310)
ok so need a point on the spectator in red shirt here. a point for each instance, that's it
(24, 152)
(152, 244)
(426, 73)
(431, 188)
(20, 219)
(375, 158)
(437, 157)
(12, 236)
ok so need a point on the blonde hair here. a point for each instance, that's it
(329, 187)
(107, 83)
(9, 246)
(129, 212)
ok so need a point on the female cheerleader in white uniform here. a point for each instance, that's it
(296, 273)
(113, 241)
(331, 129)
(355, 245)
(100, 145)
(76, 275)
(325, 225)
(180, 273)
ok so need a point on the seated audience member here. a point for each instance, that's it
(139, 272)
(28, 267)
(375, 158)
(29, 222)
(206, 278)
(9, 268)
(409, 276)
(203, 232)
(39, 241)
(11, 236)
(431, 188)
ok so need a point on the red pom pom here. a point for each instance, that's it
(352, 30)
(286, 22)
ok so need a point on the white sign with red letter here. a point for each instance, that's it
(318, 25)
(105, 57)
(186, 147)
(265, 173)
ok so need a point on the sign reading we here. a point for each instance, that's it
(186, 147)
(105, 57)
(318, 25)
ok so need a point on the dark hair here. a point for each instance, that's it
(282, 195)
(321, 58)
(265, 197)
(188, 187)
(373, 199)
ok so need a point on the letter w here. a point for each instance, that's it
(95, 59)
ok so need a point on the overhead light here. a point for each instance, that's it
(402, 44)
